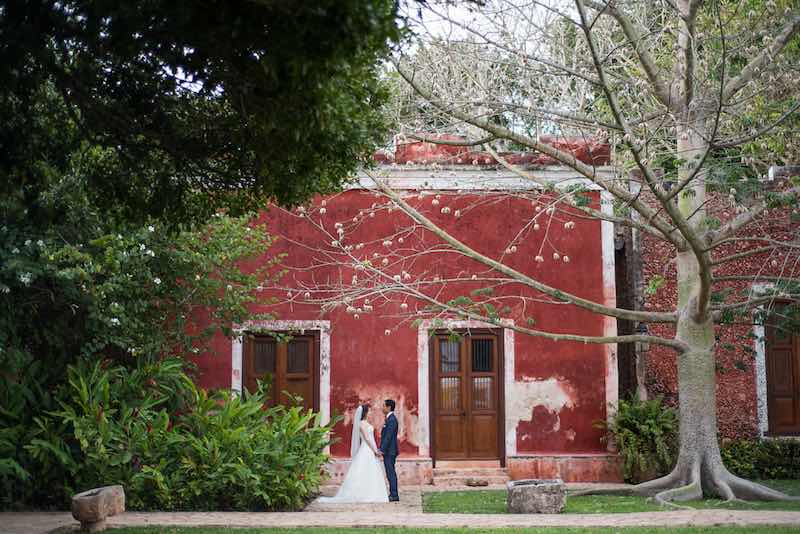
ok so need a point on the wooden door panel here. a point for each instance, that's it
(450, 442)
(783, 380)
(483, 436)
(290, 367)
(465, 397)
(781, 373)
(783, 412)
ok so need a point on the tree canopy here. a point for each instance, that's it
(187, 107)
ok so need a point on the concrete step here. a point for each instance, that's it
(467, 464)
(497, 471)
(460, 480)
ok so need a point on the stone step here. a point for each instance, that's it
(460, 480)
(467, 464)
(438, 472)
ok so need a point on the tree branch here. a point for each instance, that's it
(566, 158)
(655, 317)
(636, 39)
(736, 83)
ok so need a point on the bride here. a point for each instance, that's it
(364, 480)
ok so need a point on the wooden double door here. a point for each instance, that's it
(783, 380)
(466, 396)
(290, 367)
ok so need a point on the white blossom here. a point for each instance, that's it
(565, 259)
(151, 228)
(387, 332)
(114, 321)
(539, 259)
(157, 280)
(15, 250)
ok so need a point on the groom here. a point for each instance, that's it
(389, 447)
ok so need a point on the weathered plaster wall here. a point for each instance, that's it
(737, 397)
(559, 389)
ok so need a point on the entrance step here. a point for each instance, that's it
(469, 475)
(464, 464)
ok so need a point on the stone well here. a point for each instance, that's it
(92, 507)
(536, 496)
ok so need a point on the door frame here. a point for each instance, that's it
(322, 327)
(498, 334)
(314, 336)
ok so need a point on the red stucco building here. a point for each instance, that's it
(491, 398)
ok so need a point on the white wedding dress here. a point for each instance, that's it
(364, 481)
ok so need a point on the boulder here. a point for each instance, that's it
(92, 507)
(536, 496)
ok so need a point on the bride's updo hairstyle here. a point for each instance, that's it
(364, 411)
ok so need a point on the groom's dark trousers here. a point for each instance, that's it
(389, 450)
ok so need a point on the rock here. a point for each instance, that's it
(476, 482)
(92, 507)
(536, 496)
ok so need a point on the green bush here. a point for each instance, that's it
(645, 433)
(763, 459)
(176, 447)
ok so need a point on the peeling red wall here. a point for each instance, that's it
(562, 384)
(736, 378)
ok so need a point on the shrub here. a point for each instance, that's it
(176, 447)
(762, 459)
(645, 434)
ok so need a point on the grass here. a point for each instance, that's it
(760, 529)
(494, 502)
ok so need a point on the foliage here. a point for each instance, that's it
(176, 447)
(645, 433)
(190, 112)
(82, 291)
(773, 458)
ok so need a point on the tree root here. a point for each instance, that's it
(752, 491)
(686, 484)
(688, 492)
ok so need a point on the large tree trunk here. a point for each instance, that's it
(699, 468)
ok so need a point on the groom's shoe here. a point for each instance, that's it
(394, 499)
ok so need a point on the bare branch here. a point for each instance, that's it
(758, 63)
(566, 158)
(636, 37)
(516, 275)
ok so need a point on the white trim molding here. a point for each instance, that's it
(473, 178)
(324, 329)
(760, 345)
(610, 300)
(423, 370)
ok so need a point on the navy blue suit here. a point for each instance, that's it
(389, 450)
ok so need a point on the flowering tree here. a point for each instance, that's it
(693, 97)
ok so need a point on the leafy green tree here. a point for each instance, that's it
(191, 105)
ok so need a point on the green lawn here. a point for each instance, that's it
(494, 502)
(631, 530)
